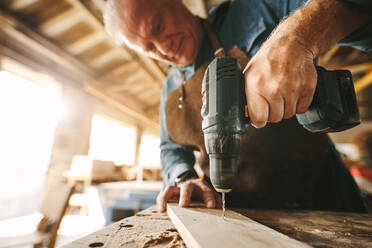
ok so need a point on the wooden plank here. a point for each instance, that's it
(201, 227)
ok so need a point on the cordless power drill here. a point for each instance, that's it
(225, 115)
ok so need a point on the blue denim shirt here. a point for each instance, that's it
(246, 23)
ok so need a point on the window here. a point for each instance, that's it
(112, 141)
(29, 114)
(149, 155)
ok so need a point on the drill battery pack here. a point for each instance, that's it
(334, 107)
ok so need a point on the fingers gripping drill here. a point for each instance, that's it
(225, 114)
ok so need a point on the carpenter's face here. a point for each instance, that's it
(162, 29)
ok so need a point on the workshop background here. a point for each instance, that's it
(77, 110)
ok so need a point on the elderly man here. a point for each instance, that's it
(280, 165)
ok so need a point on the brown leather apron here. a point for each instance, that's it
(281, 165)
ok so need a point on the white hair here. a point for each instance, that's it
(113, 21)
(113, 25)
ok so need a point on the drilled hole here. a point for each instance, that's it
(96, 244)
(154, 211)
(128, 226)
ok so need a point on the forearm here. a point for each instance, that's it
(321, 23)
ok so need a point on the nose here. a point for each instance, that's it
(165, 47)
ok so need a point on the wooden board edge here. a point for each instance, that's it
(192, 243)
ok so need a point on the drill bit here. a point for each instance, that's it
(223, 205)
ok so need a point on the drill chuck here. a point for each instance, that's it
(223, 150)
(222, 172)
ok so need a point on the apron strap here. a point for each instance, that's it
(218, 49)
(181, 91)
(218, 52)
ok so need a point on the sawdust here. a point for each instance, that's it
(148, 229)
(169, 238)
(142, 215)
(173, 238)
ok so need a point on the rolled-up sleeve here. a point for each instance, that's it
(361, 38)
(175, 159)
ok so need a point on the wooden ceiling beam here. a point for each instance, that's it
(153, 67)
(94, 7)
(20, 39)
(102, 95)
(21, 4)
(137, 89)
(127, 83)
(153, 101)
(123, 70)
(351, 56)
(153, 112)
(25, 35)
(354, 69)
(61, 22)
(89, 18)
(106, 57)
(364, 82)
(153, 108)
(151, 93)
(323, 60)
(131, 101)
(85, 43)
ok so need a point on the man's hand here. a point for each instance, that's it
(280, 81)
(191, 187)
(281, 78)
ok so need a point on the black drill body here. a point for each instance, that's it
(225, 114)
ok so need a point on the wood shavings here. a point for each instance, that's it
(165, 239)
(173, 238)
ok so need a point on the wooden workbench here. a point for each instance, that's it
(316, 228)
